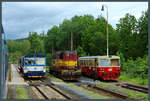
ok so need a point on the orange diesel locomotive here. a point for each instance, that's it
(65, 65)
(101, 67)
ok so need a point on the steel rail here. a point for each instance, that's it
(51, 85)
(135, 87)
(39, 91)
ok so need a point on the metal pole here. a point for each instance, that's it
(106, 29)
(71, 40)
(107, 34)
(52, 45)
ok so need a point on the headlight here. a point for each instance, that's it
(25, 68)
(44, 69)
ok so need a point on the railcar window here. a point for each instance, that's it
(81, 62)
(39, 61)
(84, 62)
(34, 61)
(115, 62)
(29, 61)
(96, 62)
(104, 62)
(90, 62)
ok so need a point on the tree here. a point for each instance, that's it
(143, 34)
(127, 29)
(94, 38)
(36, 44)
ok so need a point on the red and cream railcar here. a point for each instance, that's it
(102, 67)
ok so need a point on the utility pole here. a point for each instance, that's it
(52, 45)
(71, 40)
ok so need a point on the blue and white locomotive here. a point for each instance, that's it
(33, 66)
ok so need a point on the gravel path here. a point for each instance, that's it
(16, 79)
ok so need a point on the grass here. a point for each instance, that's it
(53, 98)
(103, 84)
(89, 93)
(140, 81)
(53, 78)
(130, 93)
(21, 92)
(135, 95)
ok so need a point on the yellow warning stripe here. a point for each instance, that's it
(64, 63)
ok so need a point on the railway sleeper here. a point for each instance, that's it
(38, 83)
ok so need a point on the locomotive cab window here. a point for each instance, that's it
(61, 56)
(115, 62)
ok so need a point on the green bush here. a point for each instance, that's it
(135, 70)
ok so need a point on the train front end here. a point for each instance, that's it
(65, 65)
(109, 68)
(34, 66)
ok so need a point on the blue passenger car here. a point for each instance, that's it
(32, 65)
(4, 62)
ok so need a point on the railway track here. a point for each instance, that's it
(37, 87)
(134, 87)
(39, 93)
(48, 90)
(103, 91)
(127, 85)
(115, 94)
(65, 94)
(45, 89)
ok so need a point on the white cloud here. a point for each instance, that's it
(21, 18)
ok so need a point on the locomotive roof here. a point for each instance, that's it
(92, 57)
(65, 51)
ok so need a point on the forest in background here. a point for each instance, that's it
(129, 41)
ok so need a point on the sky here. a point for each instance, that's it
(20, 18)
